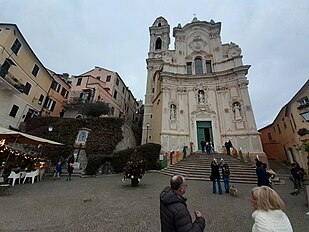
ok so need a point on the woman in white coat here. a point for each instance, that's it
(268, 214)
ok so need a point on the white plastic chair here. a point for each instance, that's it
(13, 175)
(32, 175)
(22, 175)
(42, 172)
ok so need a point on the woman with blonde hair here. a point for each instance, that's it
(268, 214)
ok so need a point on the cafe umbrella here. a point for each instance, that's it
(14, 137)
(11, 136)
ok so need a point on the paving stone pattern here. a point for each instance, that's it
(105, 203)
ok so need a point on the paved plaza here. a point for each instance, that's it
(105, 203)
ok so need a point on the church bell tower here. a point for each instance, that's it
(159, 36)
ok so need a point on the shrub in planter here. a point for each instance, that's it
(134, 168)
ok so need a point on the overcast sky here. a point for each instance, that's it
(74, 36)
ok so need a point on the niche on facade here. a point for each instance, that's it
(237, 111)
(238, 115)
(201, 97)
(173, 113)
(173, 116)
(82, 136)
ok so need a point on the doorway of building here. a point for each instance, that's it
(204, 131)
(291, 156)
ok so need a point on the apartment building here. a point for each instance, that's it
(24, 81)
(57, 96)
(282, 139)
(27, 88)
(100, 84)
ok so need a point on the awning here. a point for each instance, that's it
(11, 136)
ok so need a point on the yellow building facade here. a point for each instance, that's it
(25, 84)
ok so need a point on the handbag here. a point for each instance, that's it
(211, 177)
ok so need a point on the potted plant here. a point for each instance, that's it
(134, 169)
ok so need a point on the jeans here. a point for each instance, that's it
(226, 180)
(214, 190)
(57, 174)
(297, 183)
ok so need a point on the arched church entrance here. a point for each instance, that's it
(204, 132)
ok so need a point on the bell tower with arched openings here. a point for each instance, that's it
(159, 36)
(158, 46)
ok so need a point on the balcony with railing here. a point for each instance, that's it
(303, 106)
(10, 82)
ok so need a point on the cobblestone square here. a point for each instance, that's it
(105, 203)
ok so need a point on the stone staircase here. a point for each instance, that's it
(197, 167)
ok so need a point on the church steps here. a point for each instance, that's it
(198, 167)
(235, 179)
(198, 170)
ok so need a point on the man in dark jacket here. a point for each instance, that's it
(174, 214)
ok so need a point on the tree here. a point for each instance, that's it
(95, 109)
(302, 131)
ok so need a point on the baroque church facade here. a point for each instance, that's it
(198, 91)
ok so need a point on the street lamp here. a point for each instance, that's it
(147, 132)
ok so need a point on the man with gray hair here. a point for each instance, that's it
(174, 214)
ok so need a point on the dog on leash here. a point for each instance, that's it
(233, 191)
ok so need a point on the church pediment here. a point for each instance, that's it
(203, 111)
(204, 54)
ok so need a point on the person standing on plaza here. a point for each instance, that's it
(174, 215)
(225, 175)
(215, 176)
(263, 177)
(228, 146)
(57, 170)
(296, 178)
(208, 147)
(203, 144)
(212, 150)
(70, 167)
(268, 214)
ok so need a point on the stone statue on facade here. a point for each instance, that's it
(173, 112)
(237, 111)
(201, 97)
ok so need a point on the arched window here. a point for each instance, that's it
(198, 66)
(201, 97)
(173, 112)
(79, 116)
(158, 43)
(159, 24)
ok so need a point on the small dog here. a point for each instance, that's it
(233, 191)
